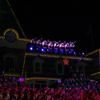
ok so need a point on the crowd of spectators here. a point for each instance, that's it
(76, 87)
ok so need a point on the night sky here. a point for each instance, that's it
(59, 21)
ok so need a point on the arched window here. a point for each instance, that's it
(9, 64)
(81, 68)
(37, 67)
(60, 68)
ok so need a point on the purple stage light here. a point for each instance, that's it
(42, 50)
(47, 50)
(3, 71)
(75, 53)
(61, 51)
(56, 50)
(31, 48)
(21, 79)
(83, 53)
(59, 81)
(71, 51)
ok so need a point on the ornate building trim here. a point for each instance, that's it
(57, 56)
(13, 30)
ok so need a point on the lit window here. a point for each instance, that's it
(37, 67)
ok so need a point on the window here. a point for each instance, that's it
(60, 68)
(9, 64)
(37, 67)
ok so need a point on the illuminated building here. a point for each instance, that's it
(44, 60)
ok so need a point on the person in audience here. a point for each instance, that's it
(73, 80)
(66, 81)
(73, 88)
(70, 81)
(77, 80)
(74, 76)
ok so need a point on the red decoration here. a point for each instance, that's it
(66, 61)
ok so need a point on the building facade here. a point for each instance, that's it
(40, 69)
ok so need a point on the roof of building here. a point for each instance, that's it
(10, 20)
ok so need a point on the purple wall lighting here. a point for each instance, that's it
(61, 51)
(56, 50)
(50, 50)
(71, 51)
(66, 51)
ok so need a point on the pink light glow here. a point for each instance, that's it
(72, 44)
(47, 50)
(50, 44)
(38, 41)
(44, 42)
(32, 41)
(66, 45)
(61, 45)
(56, 44)
(21, 79)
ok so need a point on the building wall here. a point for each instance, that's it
(15, 50)
(18, 43)
(49, 65)
(18, 55)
